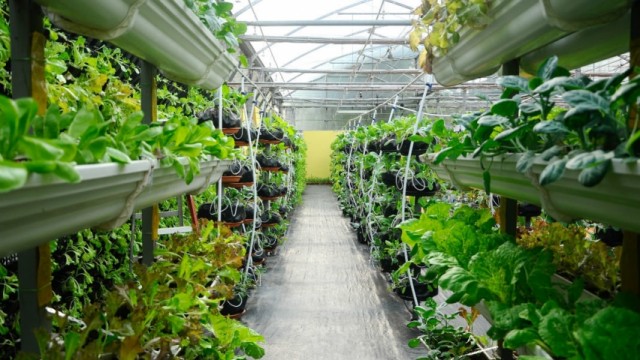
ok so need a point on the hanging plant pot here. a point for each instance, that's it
(234, 174)
(269, 242)
(233, 214)
(245, 180)
(243, 136)
(362, 235)
(268, 163)
(388, 178)
(268, 192)
(387, 265)
(284, 168)
(271, 136)
(610, 236)
(230, 120)
(419, 148)
(418, 187)
(373, 146)
(270, 219)
(389, 145)
(423, 291)
(234, 307)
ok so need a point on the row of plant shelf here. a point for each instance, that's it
(614, 201)
(166, 33)
(47, 207)
(474, 40)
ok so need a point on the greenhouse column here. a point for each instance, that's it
(34, 265)
(150, 216)
(630, 261)
(508, 210)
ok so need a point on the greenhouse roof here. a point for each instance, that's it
(334, 61)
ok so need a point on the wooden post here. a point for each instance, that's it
(508, 210)
(150, 216)
(630, 261)
(28, 80)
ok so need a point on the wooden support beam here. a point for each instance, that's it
(630, 261)
(28, 80)
(151, 215)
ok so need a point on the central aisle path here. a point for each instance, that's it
(322, 299)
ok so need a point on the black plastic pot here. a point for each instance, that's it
(423, 291)
(269, 242)
(234, 306)
(271, 134)
(387, 265)
(247, 175)
(266, 190)
(236, 169)
(233, 213)
(418, 187)
(362, 235)
(270, 217)
(388, 144)
(419, 148)
(388, 178)
(229, 118)
(267, 162)
(244, 134)
(610, 236)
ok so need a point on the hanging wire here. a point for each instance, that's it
(404, 186)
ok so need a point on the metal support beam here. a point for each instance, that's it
(34, 265)
(150, 216)
(341, 71)
(330, 23)
(323, 40)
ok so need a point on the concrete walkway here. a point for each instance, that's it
(321, 298)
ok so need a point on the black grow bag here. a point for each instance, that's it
(229, 118)
(423, 291)
(418, 187)
(233, 213)
(419, 148)
(234, 306)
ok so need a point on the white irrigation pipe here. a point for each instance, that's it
(220, 180)
(255, 181)
(404, 188)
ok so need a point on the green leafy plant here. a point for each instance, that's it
(585, 135)
(440, 23)
(442, 339)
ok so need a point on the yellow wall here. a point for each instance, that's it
(319, 152)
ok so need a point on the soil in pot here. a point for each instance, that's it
(610, 236)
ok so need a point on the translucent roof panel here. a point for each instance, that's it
(315, 46)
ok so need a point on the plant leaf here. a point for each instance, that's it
(587, 100)
(550, 127)
(12, 176)
(588, 159)
(525, 162)
(592, 176)
(505, 107)
(520, 337)
(514, 82)
(552, 172)
(492, 120)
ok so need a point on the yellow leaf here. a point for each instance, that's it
(414, 39)
(130, 348)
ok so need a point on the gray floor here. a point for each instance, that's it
(321, 298)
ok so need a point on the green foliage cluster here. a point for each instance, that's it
(591, 128)
(171, 305)
(467, 256)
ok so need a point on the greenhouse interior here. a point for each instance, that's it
(359, 179)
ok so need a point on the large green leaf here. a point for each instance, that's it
(520, 337)
(12, 176)
(492, 120)
(550, 127)
(505, 107)
(556, 331)
(586, 99)
(592, 176)
(588, 159)
(525, 162)
(514, 82)
(552, 172)
(612, 333)
(548, 68)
